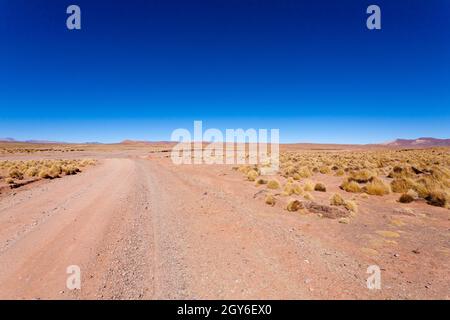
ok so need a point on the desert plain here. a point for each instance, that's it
(141, 227)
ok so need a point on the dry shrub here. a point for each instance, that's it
(289, 171)
(324, 170)
(292, 188)
(351, 205)
(270, 200)
(15, 173)
(320, 187)
(398, 172)
(412, 194)
(308, 186)
(427, 185)
(361, 176)
(294, 205)
(308, 196)
(261, 181)
(287, 189)
(340, 172)
(402, 185)
(9, 180)
(297, 189)
(304, 172)
(337, 200)
(377, 187)
(70, 170)
(252, 175)
(437, 198)
(350, 186)
(55, 171)
(406, 198)
(273, 184)
(89, 162)
(44, 174)
(405, 172)
(32, 172)
(243, 169)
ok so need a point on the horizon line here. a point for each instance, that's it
(133, 141)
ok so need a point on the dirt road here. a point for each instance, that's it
(141, 228)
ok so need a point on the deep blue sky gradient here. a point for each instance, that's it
(140, 69)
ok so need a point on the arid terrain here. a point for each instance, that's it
(141, 227)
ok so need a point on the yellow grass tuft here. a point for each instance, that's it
(406, 198)
(308, 186)
(252, 175)
(325, 170)
(44, 174)
(351, 205)
(350, 186)
(304, 172)
(32, 171)
(320, 187)
(55, 171)
(294, 205)
(401, 185)
(261, 181)
(15, 173)
(362, 176)
(297, 176)
(377, 187)
(270, 200)
(292, 188)
(273, 184)
(438, 199)
(337, 200)
(308, 196)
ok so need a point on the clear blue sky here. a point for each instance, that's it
(140, 69)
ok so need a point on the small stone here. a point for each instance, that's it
(344, 220)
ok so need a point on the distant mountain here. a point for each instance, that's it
(7, 140)
(424, 142)
(31, 141)
(128, 141)
(43, 141)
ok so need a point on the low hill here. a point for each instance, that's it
(424, 142)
